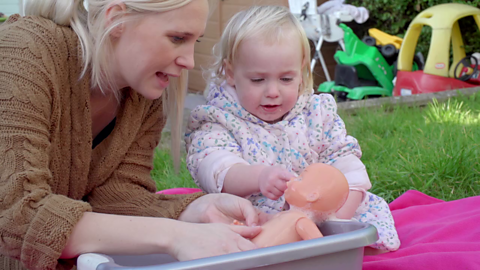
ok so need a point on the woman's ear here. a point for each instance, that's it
(229, 73)
(114, 12)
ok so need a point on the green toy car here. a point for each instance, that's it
(361, 71)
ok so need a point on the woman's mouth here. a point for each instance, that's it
(162, 79)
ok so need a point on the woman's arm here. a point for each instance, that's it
(117, 234)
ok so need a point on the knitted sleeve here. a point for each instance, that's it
(34, 222)
(130, 190)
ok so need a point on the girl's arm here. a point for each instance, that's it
(335, 147)
(354, 199)
(242, 179)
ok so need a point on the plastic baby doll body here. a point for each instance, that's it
(315, 195)
(287, 227)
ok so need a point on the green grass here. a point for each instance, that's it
(433, 149)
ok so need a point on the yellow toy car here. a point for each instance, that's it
(438, 73)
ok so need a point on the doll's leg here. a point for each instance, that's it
(307, 229)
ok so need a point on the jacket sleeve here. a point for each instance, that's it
(337, 148)
(212, 150)
(130, 190)
(34, 222)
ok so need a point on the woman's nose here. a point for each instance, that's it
(186, 61)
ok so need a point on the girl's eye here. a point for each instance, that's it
(256, 80)
(198, 40)
(287, 79)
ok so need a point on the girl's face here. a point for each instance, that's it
(149, 52)
(267, 75)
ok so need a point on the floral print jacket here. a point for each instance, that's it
(222, 133)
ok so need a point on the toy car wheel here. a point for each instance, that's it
(420, 60)
(370, 41)
(340, 96)
(388, 50)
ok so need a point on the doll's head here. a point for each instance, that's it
(320, 189)
(264, 54)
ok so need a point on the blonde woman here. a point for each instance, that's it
(83, 98)
(263, 125)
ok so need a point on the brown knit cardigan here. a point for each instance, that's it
(49, 174)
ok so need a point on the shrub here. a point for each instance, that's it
(394, 17)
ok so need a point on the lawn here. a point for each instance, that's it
(434, 149)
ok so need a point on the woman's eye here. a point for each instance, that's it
(287, 79)
(198, 40)
(176, 39)
(256, 80)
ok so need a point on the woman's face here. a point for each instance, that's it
(149, 52)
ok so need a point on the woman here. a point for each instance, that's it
(80, 117)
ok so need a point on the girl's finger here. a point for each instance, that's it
(271, 196)
(277, 192)
(281, 186)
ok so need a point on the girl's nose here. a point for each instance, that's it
(272, 90)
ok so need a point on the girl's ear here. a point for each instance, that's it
(114, 12)
(229, 73)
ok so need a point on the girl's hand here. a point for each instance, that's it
(196, 241)
(273, 181)
(222, 208)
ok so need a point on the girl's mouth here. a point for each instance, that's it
(270, 108)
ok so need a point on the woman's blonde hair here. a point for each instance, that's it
(94, 35)
(267, 21)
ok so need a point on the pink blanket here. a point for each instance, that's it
(435, 234)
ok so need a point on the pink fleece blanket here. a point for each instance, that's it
(434, 234)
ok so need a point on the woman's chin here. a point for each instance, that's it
(152, 94)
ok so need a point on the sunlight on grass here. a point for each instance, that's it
(452, 111)
(434, 149)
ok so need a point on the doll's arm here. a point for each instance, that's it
(307, 229)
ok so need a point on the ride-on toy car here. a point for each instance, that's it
(438, 74)
(362, 70)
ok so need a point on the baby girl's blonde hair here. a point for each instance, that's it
(266, 21)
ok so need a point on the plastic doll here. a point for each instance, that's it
(314, 197)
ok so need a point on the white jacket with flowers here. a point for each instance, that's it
(222, 133)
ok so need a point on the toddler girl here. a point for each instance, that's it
(263, 125)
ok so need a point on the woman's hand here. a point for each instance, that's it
(273, 181)
(196, 241)
(222, 208)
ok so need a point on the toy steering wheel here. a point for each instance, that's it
(466, 62)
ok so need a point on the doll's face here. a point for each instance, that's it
(320, 188)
